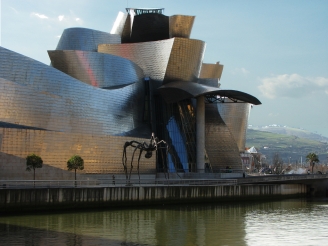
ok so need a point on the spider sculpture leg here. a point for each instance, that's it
(139, 162)
(139, 146)
(124, 157)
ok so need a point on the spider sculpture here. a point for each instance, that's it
(154, 145)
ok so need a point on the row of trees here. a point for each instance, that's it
(34, 161)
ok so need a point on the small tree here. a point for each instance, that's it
(33, 161)
(313, 159)
(75, 162)
(277, 163)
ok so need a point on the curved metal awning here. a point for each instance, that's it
(179, 90)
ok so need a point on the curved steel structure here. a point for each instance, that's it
(185, 60)
(77, 38)
(235, 115)
(152, 57)
(41, 96)
(99, 70)
(220, 144)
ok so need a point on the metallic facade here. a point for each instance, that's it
(103, 89)
(211, 71)
(85, 39)
(99, 70)
(220, 145)
(152, 57)
(181, 26)
(38, 95)
(235, 115)
(185, 60)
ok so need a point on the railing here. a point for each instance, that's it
(285, 177)
(22, 184)
(135, 181)
(28, 184)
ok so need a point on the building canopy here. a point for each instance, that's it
(179, 90)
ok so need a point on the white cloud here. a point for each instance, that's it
(41, 16)
(292, 86)
(65, 20)
(70, 20)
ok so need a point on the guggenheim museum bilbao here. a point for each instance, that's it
(104, 89)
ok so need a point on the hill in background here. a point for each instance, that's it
(290, 131)
(291, 145)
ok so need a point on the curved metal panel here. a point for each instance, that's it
(149, 27)
(152, 57)
(85, 39)
(40, 96)
(235, 115)
(119, 23)
(209, 82)
(99, 70)
(211, 71)
(220, 145)
(179, 90)
(185, 60)
(181, 25)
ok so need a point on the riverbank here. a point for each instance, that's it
(49, 199)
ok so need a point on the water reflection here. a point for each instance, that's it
(289, 222)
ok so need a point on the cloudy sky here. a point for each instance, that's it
(274, 50)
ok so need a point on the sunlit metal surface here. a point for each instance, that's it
(209, 82)
(119, 24)
(220, 144)
(77, 38)
(41, 96)
(211, 70)
(181, 26)
(235, 115)
(185, 60)
(168, 60)
(152, 57)
(99, 70)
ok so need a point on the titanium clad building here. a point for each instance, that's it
(104, 89)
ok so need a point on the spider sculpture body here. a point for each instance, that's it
(154, 145)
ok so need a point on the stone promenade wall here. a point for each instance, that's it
(19, 200)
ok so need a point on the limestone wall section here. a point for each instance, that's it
(62, 198)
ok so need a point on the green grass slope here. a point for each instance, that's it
(288, 147)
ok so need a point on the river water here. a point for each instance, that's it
(286, 222)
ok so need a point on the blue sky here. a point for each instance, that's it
(274, 50)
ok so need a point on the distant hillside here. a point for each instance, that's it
(289, 147)
(285, 130)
